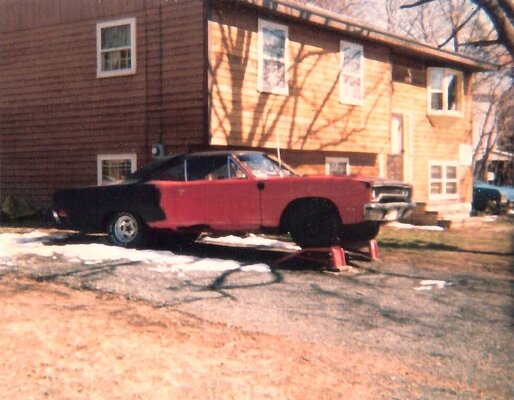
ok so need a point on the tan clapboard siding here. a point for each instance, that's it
(433, 143)
(57, 116)
(311, 117)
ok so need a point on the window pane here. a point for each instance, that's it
(273, 74)
(115, 170)
(451, 172)
(451, 187)
(338, 167)
(436, 172)
(274, 42)
(114, 60)
(437, 101)
(452, 92)
(436, 188)
(116, 36)
(351, 60)
(351, 87)
(436, 79)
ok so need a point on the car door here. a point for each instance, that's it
(232, 198)
(182, 201)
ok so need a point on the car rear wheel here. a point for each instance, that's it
(127, 230)
(314, 224)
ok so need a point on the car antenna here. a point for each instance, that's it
(278, 153)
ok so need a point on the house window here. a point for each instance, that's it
(351, 77)
(443, 179)
(445, 89)
(113, 168)
(116, 48)
(337, 166)
(272, 73)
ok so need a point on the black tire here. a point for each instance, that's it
(314, 223)
(363, 232)
(127, 230)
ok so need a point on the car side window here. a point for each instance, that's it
(173, 172)
(212, 168)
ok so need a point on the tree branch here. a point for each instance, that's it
(416, 4)
(482, 43)
(458, 28)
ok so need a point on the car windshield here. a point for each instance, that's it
(264, 166)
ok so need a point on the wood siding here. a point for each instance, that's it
(311, 121)
(56, 116)
(311, 117)
(434, 140)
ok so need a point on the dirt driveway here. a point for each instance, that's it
(431, 320)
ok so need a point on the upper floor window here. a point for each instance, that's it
(445, 90)
(352, 75)
(272, 71)
(116, 48)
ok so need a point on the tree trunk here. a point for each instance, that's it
(501, 13)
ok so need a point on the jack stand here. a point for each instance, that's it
(373, 251)
(337, 256)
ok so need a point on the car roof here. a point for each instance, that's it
(221, 153)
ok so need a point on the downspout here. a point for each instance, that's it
(207, 75)
(161, 111)
(146, 152)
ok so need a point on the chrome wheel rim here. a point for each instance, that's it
(126, 229)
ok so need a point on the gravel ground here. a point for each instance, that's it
(460, 331)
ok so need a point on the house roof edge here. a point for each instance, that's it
(324, 18)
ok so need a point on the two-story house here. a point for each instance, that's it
(89, 88)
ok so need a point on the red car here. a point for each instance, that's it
(232, 192)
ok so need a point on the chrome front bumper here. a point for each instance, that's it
(383, 212)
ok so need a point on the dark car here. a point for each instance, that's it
(232, 192)
(492, 198)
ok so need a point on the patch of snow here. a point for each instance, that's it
(251, 241)
(42, 244)
(400, 225)
(429, 284)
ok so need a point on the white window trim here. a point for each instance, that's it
(260, 86)
(460, 92)
(108, 157)
(328, 160)
(127, 71)
(342, 94)
(443, 196)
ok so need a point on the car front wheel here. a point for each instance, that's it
(314, 224)
(127, 230)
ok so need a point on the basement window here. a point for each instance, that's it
(443, 179)
(116, 48)
(272, 71)
(352, 73)
(337, 166)
(114, 168)
(445, 91)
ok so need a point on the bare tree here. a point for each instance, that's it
(501, 14)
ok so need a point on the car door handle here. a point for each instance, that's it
(261, 185)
